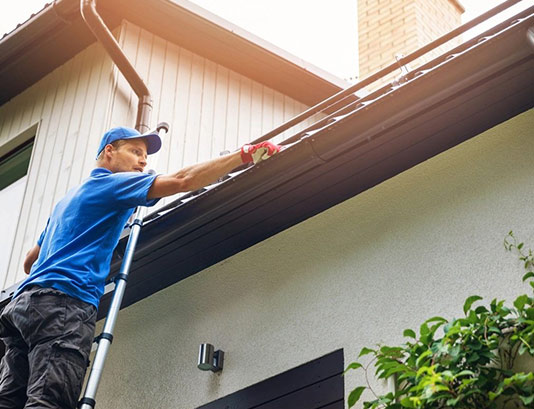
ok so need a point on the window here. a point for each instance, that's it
(13, 175)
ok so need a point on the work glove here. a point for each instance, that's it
(258, 152)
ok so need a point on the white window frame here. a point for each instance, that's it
(12, 146)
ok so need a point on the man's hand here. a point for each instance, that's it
(260, 151)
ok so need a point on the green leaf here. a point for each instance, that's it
(454, 352)
(527, 400)
(423, 356)
(409, 333)
(436, 319)
(355, 395)
(423, 329)
(528, 275)
(366, 351)
(354, 365)
(520, 302)
(469, 302)
(394, 352)
(407, 403)
(481, 309)
(473, 357)
(465, 372)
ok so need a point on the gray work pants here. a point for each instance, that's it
(48, 337)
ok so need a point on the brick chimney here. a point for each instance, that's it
(390, 27)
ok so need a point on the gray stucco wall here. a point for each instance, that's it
(411, 248)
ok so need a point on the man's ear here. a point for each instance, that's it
(108, 148)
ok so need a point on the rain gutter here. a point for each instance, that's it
(461, 96)
(112, 47)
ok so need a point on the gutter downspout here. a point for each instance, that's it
(102, 33)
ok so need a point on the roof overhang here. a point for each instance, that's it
(460, 98)
(57, 33)
(455, 99)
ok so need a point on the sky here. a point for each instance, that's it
(325, 36)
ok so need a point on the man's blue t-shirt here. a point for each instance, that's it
(82, 231)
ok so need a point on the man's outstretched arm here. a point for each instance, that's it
(197, 176)
(31, 257)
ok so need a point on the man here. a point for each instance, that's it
(49, 324)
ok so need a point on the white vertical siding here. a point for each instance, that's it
(215, 108)
(220, 112)
(210, 109)
(68, 104)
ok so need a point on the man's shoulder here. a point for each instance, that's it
(129, 188)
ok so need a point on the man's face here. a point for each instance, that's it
(129, 156)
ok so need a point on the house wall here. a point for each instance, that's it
(408, 249)
(210, 109)
(70, 106)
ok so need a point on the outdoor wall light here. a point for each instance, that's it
(209, 359)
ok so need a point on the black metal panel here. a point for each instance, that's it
(335, 405)
(310, 386)
(313, 397)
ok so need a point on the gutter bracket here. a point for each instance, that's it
(530, 37)
(308, 140)
(404, 71)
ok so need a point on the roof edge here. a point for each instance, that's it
(181, 22)
(211, 18)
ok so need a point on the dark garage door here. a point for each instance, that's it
(315, 385)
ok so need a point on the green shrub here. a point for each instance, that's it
(464, 363)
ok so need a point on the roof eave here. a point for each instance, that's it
(455, 101)
(41, 44)
(57, 33)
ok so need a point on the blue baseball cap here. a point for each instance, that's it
(152, 139)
